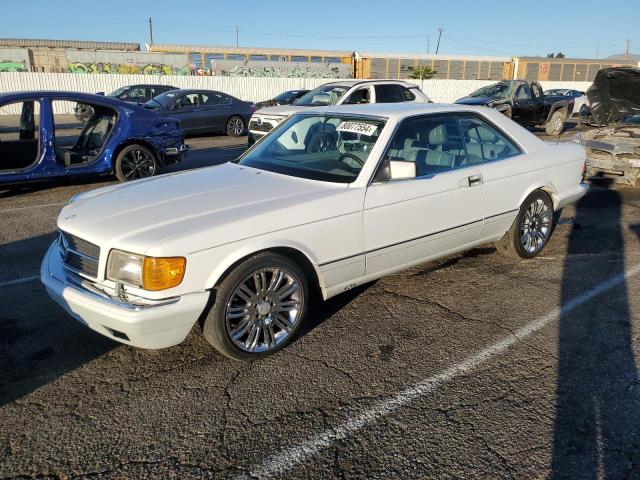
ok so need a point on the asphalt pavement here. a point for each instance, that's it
(473, 366)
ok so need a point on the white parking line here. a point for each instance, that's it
(19, 280)
(33, 206)
(289, 458)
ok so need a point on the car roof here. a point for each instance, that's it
(196, 90)
(352, 83)
(394, 110)
(58, 95)
(148, 85)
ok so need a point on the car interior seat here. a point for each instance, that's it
(434, 158)
(90, 142)
(323, 139)
(482, 144)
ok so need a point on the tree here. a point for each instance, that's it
(557, 55)
(422, 72)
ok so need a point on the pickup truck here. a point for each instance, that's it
(525, 103)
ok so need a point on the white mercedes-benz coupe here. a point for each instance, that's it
(332, 198)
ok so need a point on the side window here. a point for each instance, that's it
(187, 101)
(523, 92)
(215, 99)
(536, 91)
(137, 92)
(359, 96)
(434, 143)
(388, 94)
(484, 142)
(407, 94)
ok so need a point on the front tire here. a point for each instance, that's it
(531, 229)
(235, 126)
(135, 162)
(507, 112)
(259, 307)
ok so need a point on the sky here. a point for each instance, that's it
(578, 28)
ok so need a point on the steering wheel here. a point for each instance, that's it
(352, 156)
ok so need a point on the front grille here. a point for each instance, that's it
(264, 127)
(79, 255)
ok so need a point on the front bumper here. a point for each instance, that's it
(157, 325)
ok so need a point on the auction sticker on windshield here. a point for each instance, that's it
(358, 127)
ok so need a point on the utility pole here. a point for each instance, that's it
(439, 37)
(428, 39)
(597, 52)
(626, 51)
(237, 37)
(150, 32)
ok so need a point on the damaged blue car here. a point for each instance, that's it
(41, 139)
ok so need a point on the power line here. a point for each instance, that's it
(439, 37)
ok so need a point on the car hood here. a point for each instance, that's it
(614, 94)
(282, 110)
(185, 212)
(479, 100)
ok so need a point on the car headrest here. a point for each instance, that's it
(482, 134)
(438, 135)
(327, 128)
(410, 143)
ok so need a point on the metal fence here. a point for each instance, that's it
(245, 88)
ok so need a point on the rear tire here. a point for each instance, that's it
(235, 126)
(531, 229)
(135, 162)
(555, 125)
(259, 307)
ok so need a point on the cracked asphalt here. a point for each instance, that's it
(563, 402)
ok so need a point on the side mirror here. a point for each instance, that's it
(396, 170)
(100, 93)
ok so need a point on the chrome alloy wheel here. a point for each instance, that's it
(138, 164)
(264, 309)
(235, 126)
(536, 226)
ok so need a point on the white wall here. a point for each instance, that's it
(246, 88)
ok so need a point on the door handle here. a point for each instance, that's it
(474, 180)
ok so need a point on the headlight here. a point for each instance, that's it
(148, 273)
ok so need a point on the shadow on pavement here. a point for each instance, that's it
(597, 426)
(322, 311)
(39, 341)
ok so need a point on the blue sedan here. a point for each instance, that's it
(110, 137)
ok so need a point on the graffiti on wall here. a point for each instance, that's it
(295, 72)
(273, 71)
(290, 69)
(129, 68)
(11, 66)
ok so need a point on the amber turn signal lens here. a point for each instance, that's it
(162, 272)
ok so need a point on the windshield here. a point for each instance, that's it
(497, 90)
(118, 92)
(323, 95)
(329, 148)
(286, 96)
(163, 100)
